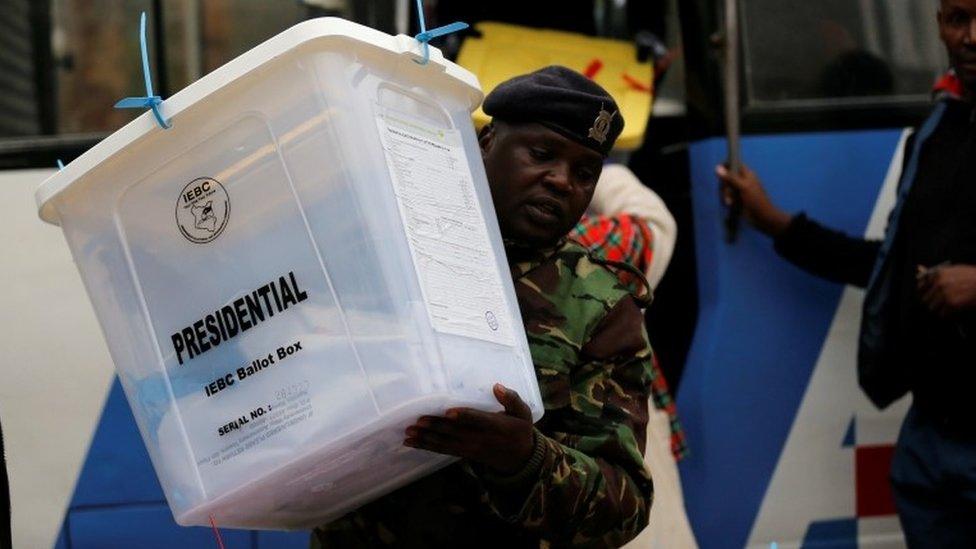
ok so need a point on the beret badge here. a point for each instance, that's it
(601, 126)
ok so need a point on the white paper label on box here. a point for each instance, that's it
(446, 229)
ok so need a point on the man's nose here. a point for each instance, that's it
(558, 178)
(970, 39)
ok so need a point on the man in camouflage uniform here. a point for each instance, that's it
(578, 476)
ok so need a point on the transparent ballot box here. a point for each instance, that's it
(303, 264)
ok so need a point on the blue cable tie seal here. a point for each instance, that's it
(425, 36)
(149, 101)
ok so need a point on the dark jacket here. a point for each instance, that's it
(902, 346)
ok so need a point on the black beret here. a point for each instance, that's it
(562, 100)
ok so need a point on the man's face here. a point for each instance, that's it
(541, 182)
(957, 27)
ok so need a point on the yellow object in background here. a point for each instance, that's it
(504, 51)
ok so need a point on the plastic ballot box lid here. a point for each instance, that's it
(504, 51)
(304, 263)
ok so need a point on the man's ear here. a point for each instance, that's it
(486, 138)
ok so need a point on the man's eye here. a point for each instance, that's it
(587, 175)
(957, 18)
(540, 153)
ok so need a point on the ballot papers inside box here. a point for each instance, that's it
(303, 264)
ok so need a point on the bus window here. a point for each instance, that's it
(836, 52)
(65, 63)
(95, 52)
(228, 30)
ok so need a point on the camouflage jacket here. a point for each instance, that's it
(590, 488)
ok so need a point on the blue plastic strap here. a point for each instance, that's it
(60, 164)
(441, 31)
(421, 16)
(425, 36)
(149, 101)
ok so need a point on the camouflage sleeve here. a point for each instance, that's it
(587, 483)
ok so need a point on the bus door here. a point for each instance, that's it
(784, 446)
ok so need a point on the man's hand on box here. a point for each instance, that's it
(502, 441)
(948, 289)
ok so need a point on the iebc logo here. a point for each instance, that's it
(202, 210)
